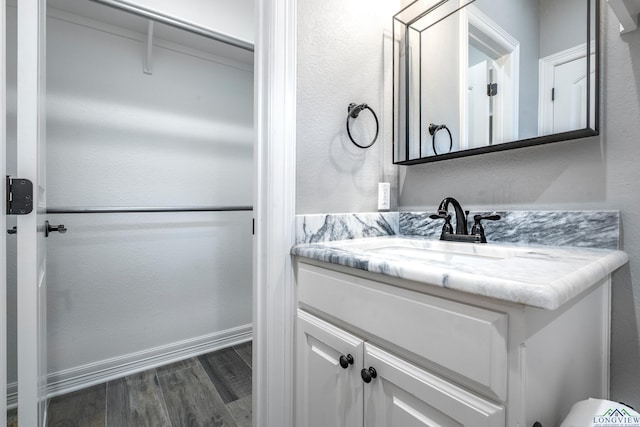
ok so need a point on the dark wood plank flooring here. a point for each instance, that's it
(210, 390)
(229, 373)
(12, 418)
(191, 397)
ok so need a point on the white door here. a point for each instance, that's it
(31, 285)
(478, 105)
(329, 388)
(566, 102)
(402, 394)
(570, 95)
(3, 219)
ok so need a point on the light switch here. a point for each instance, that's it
(384, 196)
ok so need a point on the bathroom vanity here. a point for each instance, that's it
(413, 332)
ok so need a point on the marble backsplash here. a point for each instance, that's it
(590, 229)
(328, 227)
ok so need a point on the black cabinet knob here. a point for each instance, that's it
(368, 374)
(345, 361)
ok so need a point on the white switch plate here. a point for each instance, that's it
(384, 196)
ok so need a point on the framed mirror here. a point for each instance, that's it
(475, 76)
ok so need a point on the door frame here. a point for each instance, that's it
(496, 39)
(274, 210)
(3, 215)
(31, 277)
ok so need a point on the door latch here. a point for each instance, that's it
(48, 228)
(19, 196)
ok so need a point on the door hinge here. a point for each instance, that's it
(553, 93)
(19, 196)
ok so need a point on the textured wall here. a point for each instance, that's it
(341, 60)
(594, 173)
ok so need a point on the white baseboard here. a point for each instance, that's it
(80, 377)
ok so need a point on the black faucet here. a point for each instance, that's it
(461, 216)
(461, 234)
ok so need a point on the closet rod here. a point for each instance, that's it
(89, 210)
(165, 19)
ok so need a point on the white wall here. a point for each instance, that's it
(119, 284)
(561, 27)
(440, 102)
(182, 136)
(122, 287)
(340, 60)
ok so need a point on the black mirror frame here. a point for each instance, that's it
(528, 142)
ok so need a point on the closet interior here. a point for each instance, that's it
(149, 146)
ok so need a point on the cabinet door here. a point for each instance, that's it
(403, 394)
(327, 394)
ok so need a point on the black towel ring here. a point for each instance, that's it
(353, 111)
(433, 130)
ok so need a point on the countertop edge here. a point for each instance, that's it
(549, 296)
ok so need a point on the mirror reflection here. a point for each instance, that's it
(473, 76)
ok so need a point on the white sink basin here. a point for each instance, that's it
(429, 250)
(418, 254)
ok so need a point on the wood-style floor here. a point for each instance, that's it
(209, 390)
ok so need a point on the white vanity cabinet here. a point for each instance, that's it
(401, 394)
(328, 394)
(439, 357)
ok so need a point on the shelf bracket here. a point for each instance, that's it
(627, 13)
(147, 67)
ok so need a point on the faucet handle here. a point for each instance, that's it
(478, 230)
(447, 228)
(478, 218)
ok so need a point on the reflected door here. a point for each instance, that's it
(570, 95)
(564, 96)
(478, 105)
(31, 277)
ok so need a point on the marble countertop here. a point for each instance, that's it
(540, 276)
